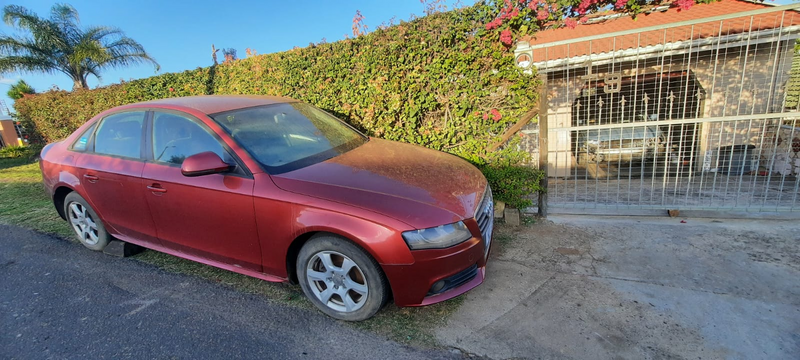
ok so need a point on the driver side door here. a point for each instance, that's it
(209, 217)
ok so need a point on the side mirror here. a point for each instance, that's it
(204, 163)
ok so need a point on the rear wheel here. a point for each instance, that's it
(341, 279)
(85, 222)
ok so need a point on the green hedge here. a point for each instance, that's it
(441, 81)
(53, 115)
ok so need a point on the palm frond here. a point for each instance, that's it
(26, 64)
(58, 44)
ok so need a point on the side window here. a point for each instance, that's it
(120, 135)
(83, 140)
(176, 137)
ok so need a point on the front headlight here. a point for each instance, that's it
(437, 237)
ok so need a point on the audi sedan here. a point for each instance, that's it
(279, 190)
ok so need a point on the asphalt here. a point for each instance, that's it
(59, 300)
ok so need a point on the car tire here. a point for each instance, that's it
(341, 279)
(85, 223)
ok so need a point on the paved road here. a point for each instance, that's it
(59, 300)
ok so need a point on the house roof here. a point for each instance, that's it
(665, 19)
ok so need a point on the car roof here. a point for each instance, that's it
(212, 104)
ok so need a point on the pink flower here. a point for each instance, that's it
(505, 37)
(570, 23)
(485, 116)
(684, 4)
(494, 24)
(533, 5)
(496, 115)
(583, 7)
(621, 4)
(171, 89)
(542, 14)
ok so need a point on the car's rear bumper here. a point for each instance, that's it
(464, 264)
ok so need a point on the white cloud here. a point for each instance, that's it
(9, 81)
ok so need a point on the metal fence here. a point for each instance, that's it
(698, 115)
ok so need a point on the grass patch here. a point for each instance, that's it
(23, 202)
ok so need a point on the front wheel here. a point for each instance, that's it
(341, 279)
(85, 222)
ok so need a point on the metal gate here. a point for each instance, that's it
(696, 115)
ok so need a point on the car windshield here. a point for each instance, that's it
(289, 136)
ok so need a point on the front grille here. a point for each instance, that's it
(484, 215)
(463, 277)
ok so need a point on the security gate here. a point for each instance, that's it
(697, 115)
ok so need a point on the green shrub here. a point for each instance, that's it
(513, 184)
(13, 151)
(53, 115)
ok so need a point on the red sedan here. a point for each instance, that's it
(279, 190)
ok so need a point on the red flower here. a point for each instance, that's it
(620, 4)
(485, 116)
(494, 24)
(477, 113)
(542, 14)
(570, 23)
(171, 89)
(583, 7)
(496, 115)
(505, 37)
(684, 4)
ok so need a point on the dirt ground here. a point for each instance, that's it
(580, 287)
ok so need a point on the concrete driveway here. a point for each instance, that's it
(584, 287)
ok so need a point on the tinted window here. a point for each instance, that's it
(176, 137)
(83, 140)
(284, 137)
(120, 135)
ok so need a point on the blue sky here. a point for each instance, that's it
(179, 33)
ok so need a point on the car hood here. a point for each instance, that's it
(418, 186)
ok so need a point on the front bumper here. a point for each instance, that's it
(411, 284)
(460, 268)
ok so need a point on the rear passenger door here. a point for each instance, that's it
(110, 171)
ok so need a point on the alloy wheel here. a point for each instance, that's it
(337, 281)
(83, 224)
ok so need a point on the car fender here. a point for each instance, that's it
(383, 243)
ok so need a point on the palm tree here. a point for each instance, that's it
(58, 44)
(18, 90)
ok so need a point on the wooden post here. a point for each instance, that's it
(543, 137)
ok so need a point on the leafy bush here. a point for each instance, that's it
(53, 115)
(13, 151)
(513, 184)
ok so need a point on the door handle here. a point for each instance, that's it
(91, 178)
(156, 188)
